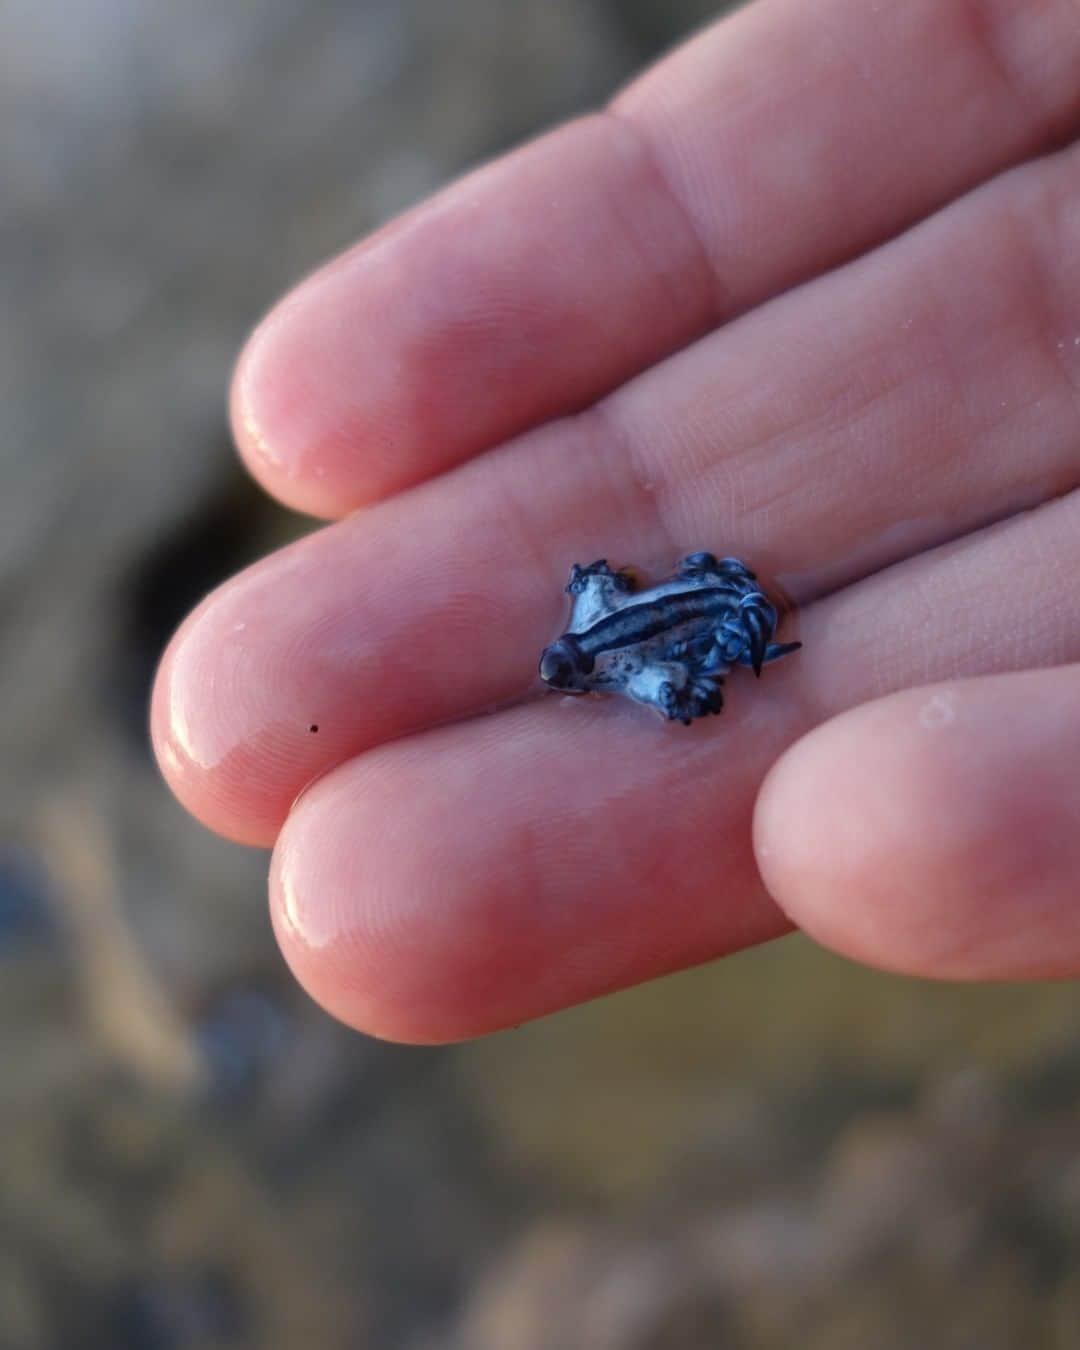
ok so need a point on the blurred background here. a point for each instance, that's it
(777, 1151)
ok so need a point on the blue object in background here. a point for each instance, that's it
(25, 912)
(239, 1037)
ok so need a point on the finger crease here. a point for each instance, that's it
(983, 25)
(719, 301)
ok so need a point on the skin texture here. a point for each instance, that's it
(808, 294)
(994, 800)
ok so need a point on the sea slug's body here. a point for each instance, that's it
(669, 646)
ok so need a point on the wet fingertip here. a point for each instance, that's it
(225, 799)
(227, 758)
(273, 431)
(308, 923)
(305, 921)
(351, 927)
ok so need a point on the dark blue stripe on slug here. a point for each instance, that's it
(639, 623)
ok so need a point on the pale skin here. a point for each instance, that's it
(808, 293)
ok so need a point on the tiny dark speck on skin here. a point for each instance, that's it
(313, 728)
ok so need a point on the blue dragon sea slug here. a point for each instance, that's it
(668, 646)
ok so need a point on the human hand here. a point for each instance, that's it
(809, 294)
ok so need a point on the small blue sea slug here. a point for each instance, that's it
(669, 646)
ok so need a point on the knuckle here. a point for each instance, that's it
(1030, 49)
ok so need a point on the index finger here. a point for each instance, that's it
(781, 142)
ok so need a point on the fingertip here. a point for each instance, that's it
(222, 756)
(297, 416)
(811, 849)
(858, 826)
(933, 832)
(323, 947)
(361, 910)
